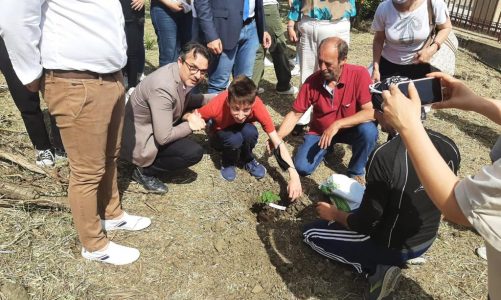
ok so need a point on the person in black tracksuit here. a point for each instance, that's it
(396, 220)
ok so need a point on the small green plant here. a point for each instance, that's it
(149, 43)
(269, 197)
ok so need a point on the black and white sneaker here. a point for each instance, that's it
(383, 282)
(60, 155)
(45, 158)
(113, 254)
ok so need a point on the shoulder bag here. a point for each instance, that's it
(445, 58)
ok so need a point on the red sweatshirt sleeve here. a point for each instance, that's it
(214, 108)
(263, 116)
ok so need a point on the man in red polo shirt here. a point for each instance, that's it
(342, 111)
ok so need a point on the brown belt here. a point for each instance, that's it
(73, 74)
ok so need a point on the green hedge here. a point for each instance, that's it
(367, 8)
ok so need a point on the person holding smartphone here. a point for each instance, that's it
(472, 201)
(396, 220)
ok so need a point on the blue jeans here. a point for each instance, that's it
(173, 30)
(362, 139)
(236, 61)
(355, 249)
(234, 139)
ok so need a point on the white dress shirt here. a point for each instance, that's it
(84, 35)
(270, 2)
(252, 7)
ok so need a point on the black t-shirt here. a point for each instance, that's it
(395, 210)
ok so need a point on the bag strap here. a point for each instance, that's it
(431, 19)
(450, 45)
(433, 27)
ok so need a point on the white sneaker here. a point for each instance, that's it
(260, 90)
(421, 260)
(292, 91)
(141, 76)
(126, 222)
(45, 158)
(113, 254)
(267, 62)
(129, 92)
(481, 252)
(296, 71)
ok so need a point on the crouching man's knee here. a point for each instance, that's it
(303, 168)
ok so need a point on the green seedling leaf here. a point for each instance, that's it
(328, 187)
(269, 197)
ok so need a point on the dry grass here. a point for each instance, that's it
(205, 242)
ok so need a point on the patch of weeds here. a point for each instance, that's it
(149, 43)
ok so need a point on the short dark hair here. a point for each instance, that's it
(342, 47)
(242, 90)
(197, 49)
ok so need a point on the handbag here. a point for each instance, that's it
(445, 58)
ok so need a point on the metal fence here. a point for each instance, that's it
(483, 16)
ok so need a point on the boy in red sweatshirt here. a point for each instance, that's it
(233, 113)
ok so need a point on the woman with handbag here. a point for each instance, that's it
(405, 40)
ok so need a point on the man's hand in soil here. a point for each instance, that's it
(294, 188)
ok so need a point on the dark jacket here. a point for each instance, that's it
(222, 19)
(153, 114)
(395, 210)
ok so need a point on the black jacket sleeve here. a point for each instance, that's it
(377, 191)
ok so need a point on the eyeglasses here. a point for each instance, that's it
(194, 69)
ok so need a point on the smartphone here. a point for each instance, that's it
(429, 89)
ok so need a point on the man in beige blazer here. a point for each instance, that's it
(155, 135)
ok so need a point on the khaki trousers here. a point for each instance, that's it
(89, 114)
(493, 272)
(278, 51)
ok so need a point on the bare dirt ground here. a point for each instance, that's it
(205, 241)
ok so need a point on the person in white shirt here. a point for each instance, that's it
(401, 29)
(75, 50)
